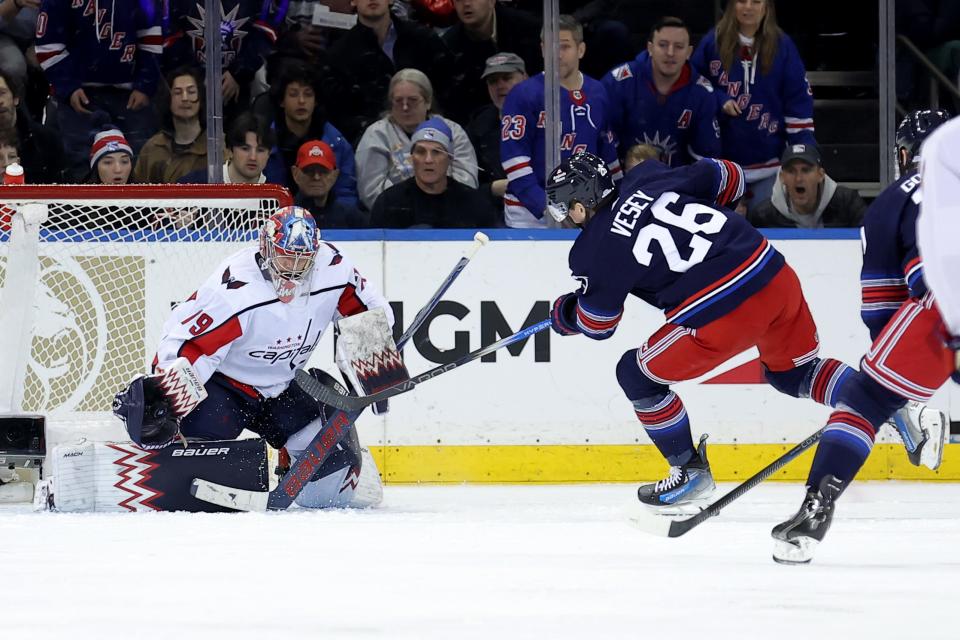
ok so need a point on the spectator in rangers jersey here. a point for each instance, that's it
(316, 173)
(911, 355)
(660, 100)
(111, 157)
(103, 65)
(761, 83)
(368, 55)
(300, 116)
(180, 146)
(502, 73)
(804, 196)
(585, 113)
(246, 330)
(431, 199)
(248, 30)
(383, 155)
(249, 141)
(669, 237)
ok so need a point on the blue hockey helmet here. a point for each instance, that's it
(911, 133)
(289, 240)
(583, 178)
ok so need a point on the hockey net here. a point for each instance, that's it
(88, 284)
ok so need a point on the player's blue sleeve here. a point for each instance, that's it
(599, 310)
(518, 126)
(797, 96)
(705, 142)
(912, 264)
(882, 288)
(721, 181)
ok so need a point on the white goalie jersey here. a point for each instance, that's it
(235, 324)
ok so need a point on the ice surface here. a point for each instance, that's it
(491, 562)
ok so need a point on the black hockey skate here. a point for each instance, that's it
(796, 539)
(685, 490)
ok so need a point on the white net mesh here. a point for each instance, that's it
(112, 262)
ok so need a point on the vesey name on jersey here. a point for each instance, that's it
(629, 212)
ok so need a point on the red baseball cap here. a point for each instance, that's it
(316, 152)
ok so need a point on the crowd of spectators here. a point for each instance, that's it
(416, 115)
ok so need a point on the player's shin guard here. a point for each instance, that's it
(664, 418)
(659, 410)
(847, 441)
(821, 379)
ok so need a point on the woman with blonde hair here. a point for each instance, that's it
(762, 89)
(383, 154)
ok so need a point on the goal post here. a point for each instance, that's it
(89, 274)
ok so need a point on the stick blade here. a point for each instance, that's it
(229, 497)
(664, 526)
(321, 393)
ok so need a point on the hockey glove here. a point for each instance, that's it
(147, 413)
(563, 315)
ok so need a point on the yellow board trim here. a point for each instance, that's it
(623, 463)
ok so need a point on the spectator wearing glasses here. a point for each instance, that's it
(383, 155)
(316, 173)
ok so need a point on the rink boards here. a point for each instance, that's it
(551, 409)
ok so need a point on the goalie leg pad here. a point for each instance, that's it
(120, 476)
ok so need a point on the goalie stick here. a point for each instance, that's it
(326, 395)
(329, 434)
(674, 528)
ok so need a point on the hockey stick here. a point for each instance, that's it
(330, 433)
(326, 395)
(674, 528)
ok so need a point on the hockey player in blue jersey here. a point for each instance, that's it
(671, 238)
(908, 360)
(584, 112)
(659, 99)
(762, 89)
(892, 270)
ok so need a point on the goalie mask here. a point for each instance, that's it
(288, 247)
(582, 178)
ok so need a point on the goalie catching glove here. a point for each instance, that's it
(151, 406)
